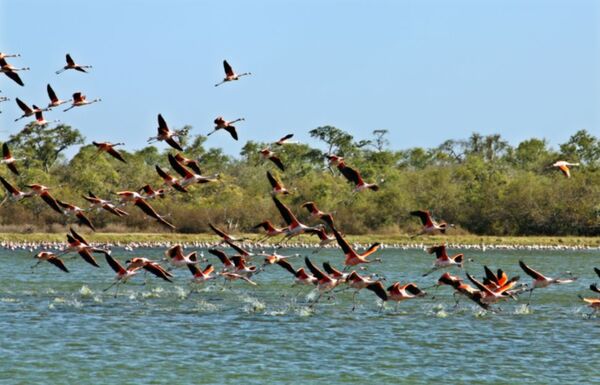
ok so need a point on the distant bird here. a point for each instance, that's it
(139, 201)
(27, 111)
(274, 258)
(44, 193)
(80, 100)
(164, 133)
(228, 126)
(188, 177)
(540, 280)
(461, 288)
(78, 212)
(285, 140)
(429, 225)
(110, 149)
(352, 257)
(71, 65)
(230, 74)
(563, 166)
(177, 258)
(270, 155)
(201, 276)
(51, 258)
(14, 193)
(354, 177)
(271, 230)
(191, 163)
(397, 292)
(54, 100)
(170, 180)
(104, 204)
(8, 159)
(277, 186)
(295, 227)
(150, 193)
(78, 244)
(316, 213)
(39, 118)
(150, 266)
(490, 296)
(11, 71)
(443, 260)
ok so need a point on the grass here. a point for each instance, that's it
(401, 239)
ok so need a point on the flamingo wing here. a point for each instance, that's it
(228, 69)
(78, 237)
(58, 263)
(314, 270)
(11, 189)
(285, 212)
(530, 272)
(178, 167)
(24, 107)
(232, 132)
(15, 77)
(116, 154)
(51, 94)
(114, 264)
(89, 258)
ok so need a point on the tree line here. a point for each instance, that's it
(481, 184)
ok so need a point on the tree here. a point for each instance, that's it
(336, 139)
(583, 147)
(45, 145)
(381, 142)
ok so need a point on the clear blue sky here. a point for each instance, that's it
(425, 70)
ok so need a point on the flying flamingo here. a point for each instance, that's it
(230, 74)
(273, 258)
(325, 283)
(78, 212)
(316, 213)
(71, 65)
(100, 204)
(3, 55)
(353, 176)
(27, 111)
(491, 296)
(396, 292)
(8, 159)
(39, 118)
(271, 231)
(164, 133)
(187, 162)
(78, 244)
(443, 260)
(80, 100)
(14, 193)
(278, 187)
(352, 257)
(429, 225)
(44, 193)
(594, 303)
(295, 227)
(228, 126)
(223, 234)
(150, 266)
(201, 276)
(461, 288)
(324, 239)
(51, 258)
(122, 274)
(270, 155)
(170, 180)
(228, 265)
(110, 149)
(358, 283)
(54, 100)
(11, 71)
(563, 166)
(301, 276)
(241, 251)
(285, 140)
(140, 202)
(150, 193)
(177, 258)
(541, 281)
(188, 177)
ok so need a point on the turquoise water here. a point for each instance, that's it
(59, 328)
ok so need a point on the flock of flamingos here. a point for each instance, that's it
(493, 288)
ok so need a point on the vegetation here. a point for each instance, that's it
(482, 184)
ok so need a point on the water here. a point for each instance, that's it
(59, 328)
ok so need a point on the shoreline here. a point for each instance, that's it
(400, 241)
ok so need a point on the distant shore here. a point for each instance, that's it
(390, 240)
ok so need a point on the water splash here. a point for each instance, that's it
(523, 309)
(154, 293)
(253, 305)
(85, 291)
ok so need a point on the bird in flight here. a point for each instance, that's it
(230, 74)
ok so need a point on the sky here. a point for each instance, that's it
(425, 70)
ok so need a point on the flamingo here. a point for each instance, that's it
(429, 225)
(164, 133)
(594, 303)
(301, 276)
(443, 260)
(241, 251)
(228, 265)
(235, 276)
(44, 193)
(150, 266)
(222, 234)
(335, 160)
(4, 55)
(140, 202)
(270, 155)
(188, 177)
(324, 239)
(461, 288)
(51, 258)
(352, 257)
(228, 126)
(191, 163)
(170, 180)
(201, 276)
(278, 187)
(110, 149)
(271, 231)
(11, 71)
(8, 159)
(397, 292)
(325, 283)
(541, 281)
(274, 258)
(39, 118)
(27, 111)
(491, 296)
(71, 65)
(177, 258)
(230, 74)
(54, 100)
(241, 267)
(99, 204)
(14, 193)
(122, 274)
(295, 227)
(150, 193)
(285, 140)
(316, 213)
(79, 245)
(563, 166)
(78, 212)
(358, 283)
(80, 100)
(353, 176)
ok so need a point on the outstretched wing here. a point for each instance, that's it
(424, 216)
(26, 109)
(313, 269)
(78, 237)
(274, 183)
(51, 93)
(58, 263)
(530, 272)
(116, 154)
(342, 242)
(232, 132)
(351, 174)
(228, 69)
(15, 76)
(287, 215)
(277, 162)
(178, 167)
(11, 189)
